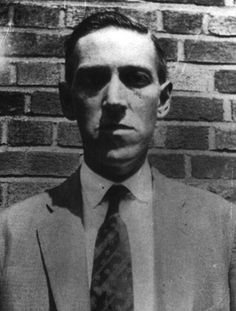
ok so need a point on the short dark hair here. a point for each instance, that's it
(105, 19)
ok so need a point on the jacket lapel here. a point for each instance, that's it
(62, 246)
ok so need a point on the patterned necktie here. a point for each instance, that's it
(112, 286)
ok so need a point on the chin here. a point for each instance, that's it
(124, 157)
(119, 155)
(119, 167)
(117, 164)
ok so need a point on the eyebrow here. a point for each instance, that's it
(88, 68)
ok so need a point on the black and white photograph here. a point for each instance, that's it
(118, 155)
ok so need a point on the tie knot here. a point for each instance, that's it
(114, 195)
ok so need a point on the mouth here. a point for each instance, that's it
(115, 127)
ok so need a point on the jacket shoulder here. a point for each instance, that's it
(200, 199)
(205, 213)
(25, 212)
(19, 221)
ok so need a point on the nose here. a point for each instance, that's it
(115, 97)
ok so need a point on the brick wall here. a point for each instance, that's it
(195, 143)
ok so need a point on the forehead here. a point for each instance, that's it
(113, 46)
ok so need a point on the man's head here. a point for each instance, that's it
(116, 86)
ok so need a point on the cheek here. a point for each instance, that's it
(88, 110)
(147, 108)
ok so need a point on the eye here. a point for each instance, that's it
(92, 79)
(135, 78)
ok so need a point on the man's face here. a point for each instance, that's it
(115, 94)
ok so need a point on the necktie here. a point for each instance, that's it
(111, 286)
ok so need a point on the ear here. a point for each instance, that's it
(165, 96)
(66, 101)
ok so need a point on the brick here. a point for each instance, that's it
(197, 2)
(213, 167)
(159, 137)
(187, 137)
(31, 44)
(189, 77)
(222, 25)
(210, 52)
(5, 76)
(225, 81)
(169, 46)
(52, 164)
(36, 16)
(26, 133)
(181, 137)
(68, 135)
(196, 109)
(12, 163)
(18, 191)
(38, 74)
(210, 2)
(12, 103)
(225, 139)
(45, 103)
(50, 45)
(4, 14)
(171, 165)
(233, 108)
(179, 22)
(38, 163)
(1, 132)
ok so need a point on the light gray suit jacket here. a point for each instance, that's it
(43, 260)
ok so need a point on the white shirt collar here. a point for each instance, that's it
(94, 186)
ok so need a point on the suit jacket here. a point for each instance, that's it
(43, 261)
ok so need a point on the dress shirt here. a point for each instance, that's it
(136, 211)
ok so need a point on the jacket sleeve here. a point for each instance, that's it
(2, 253)
(3, 241)
(232, 276)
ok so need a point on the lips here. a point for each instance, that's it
(114, 127)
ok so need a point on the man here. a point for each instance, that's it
(174, 245)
